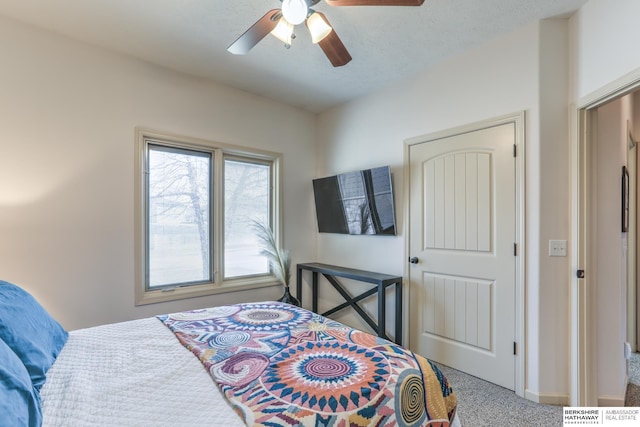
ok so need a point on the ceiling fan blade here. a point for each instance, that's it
(332, 46)
(257, 32)
(375, 2)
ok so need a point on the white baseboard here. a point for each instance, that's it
(610, 401)
(565, 399)
(615, 401)
(547, 398)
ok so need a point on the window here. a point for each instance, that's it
(195, 202)
(178, 196)
(247, 197)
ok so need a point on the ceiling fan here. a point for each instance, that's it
(281, 23)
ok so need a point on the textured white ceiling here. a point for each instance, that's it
(387, 43)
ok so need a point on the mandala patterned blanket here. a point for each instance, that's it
(281, 365)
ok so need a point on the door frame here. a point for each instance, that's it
(583, 375)
(518, 119)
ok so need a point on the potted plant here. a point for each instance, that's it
(279, 259)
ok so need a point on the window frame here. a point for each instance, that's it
(219, 152)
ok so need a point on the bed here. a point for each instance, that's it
(263, 363)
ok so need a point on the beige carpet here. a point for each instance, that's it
(484, 404)
(633, 388)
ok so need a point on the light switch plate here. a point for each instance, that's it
(557, 248)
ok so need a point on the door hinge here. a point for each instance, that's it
(580, 274)
(515, 150)
(515, 348)
(515, 249)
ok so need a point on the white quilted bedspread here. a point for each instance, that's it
(131, 374)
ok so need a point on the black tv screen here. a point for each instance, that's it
(359, 202)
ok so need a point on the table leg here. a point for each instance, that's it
(314, 291)
(382, 307)
(299, 286)
(398, 337)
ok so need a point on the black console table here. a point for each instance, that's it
(382, 281)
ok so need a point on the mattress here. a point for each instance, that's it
(131, 374)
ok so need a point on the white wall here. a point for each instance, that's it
(371, 131)
(604, 39)
(67, 171)
(500, 77)
(553, 296)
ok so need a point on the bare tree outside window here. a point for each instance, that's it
(247, 198)
(179, 197)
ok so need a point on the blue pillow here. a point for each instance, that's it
(19, 401)
(33, 335)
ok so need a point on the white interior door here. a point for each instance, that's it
(462, 222)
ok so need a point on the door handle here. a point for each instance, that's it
(413, 260)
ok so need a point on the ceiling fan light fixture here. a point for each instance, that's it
(318, 27)
(295, 11)
(284, 31)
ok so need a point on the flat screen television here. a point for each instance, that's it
(359, 202)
